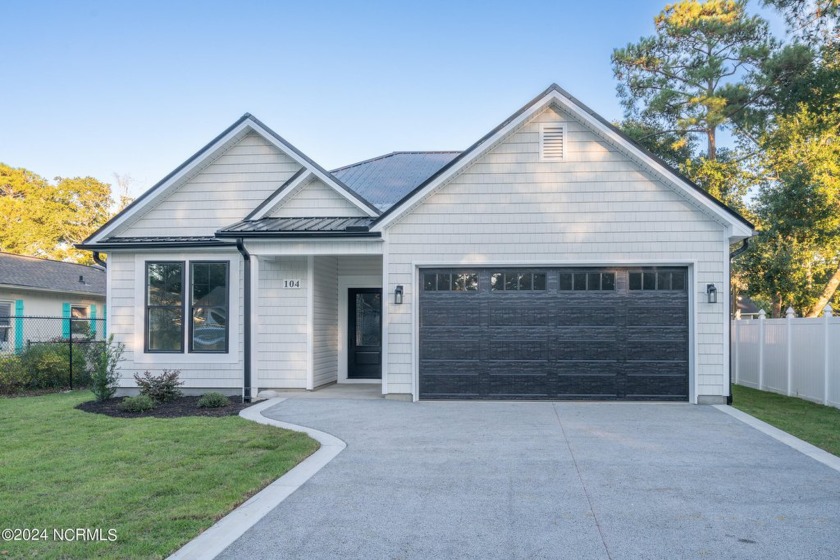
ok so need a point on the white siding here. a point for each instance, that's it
(200, 372)
(315, 199)
(223, 193)
(597, 206)
(362, 265)
(325, 321)
(283, 324)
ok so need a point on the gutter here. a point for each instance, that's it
(98, 260)
(246, 368)
(745, 244)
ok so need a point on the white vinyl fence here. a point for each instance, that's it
(792, 356)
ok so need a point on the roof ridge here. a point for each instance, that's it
(42, 259)
(395, 153)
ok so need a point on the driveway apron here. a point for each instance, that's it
(547, 480)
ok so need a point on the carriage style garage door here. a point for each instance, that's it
(556, 333)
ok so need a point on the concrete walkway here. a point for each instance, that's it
(547, 480)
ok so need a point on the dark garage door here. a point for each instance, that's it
(556, 333)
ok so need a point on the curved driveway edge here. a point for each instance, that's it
(225, 531)
(803, 447)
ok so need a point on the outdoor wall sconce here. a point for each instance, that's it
(398, 295)
(711, 291)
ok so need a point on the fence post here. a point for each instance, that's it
(826, 353)
(761, 318)
(789, 315)
(70, 340)
(736, 340)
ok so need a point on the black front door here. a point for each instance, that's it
(364, 349)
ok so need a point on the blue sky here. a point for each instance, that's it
(97, 88)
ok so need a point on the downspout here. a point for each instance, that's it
(739, 251)
(246, 369)
(98, 260)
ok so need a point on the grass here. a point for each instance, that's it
(157, 482)
(817, 424)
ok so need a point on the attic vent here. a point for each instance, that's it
(552, 142)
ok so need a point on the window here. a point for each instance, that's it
(517, 281)
(79, 323)
(650, 280)
(587, 281)
(454, 282)
(5, 321)
(164, 307)
(209, 305)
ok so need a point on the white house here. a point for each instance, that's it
(554, 258)
(42, 299)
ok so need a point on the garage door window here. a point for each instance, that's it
(659, 281)
(587, 281)
(517, 281)
(446, 282)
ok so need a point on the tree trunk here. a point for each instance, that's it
(827, 294)
(776, 311)
(710, 134)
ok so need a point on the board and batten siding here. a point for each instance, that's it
(597, 207)
(315, 199)
(223, 193)
(199, 372)
(283, 323)
(325, 321)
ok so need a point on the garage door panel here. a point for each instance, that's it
(595, 340)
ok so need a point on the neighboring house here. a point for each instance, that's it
(32, 287)
(554, 258)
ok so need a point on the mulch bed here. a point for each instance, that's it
(180, 407)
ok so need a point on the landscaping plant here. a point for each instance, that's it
(140, 403)
(104, 363)
(213, 400)
(161, 388)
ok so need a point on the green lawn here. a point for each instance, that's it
(817, 424)
(157, 482)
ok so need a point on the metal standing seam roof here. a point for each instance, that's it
(312, 225)
(43, 274)
(385, 180)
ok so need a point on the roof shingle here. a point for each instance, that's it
(43, 274)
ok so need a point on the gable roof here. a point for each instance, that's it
(54, 276)
(385, 180)
(556, 94)
(245, 124)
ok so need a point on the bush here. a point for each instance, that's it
(162, 388)
(140, 403)
(213, 400)
(13, 376)
(103, 360)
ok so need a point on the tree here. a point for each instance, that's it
(43, 219)
(694, 75)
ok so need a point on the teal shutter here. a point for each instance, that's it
(105, 321)
(65, 325)
(19, 326)
(92, 320)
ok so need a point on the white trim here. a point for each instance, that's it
(255, 325)
(386, 315)
(306, 247)
(739, 230)
(89, 295)
(621, 263)
(287, 191)
(346, 282)
(137, 343)
(727, 321)
(310, 322)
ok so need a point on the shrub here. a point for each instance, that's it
(213, 400)
(13, 376)
(140, 403)
(162, 388)
(103, 360)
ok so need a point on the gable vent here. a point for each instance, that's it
(552, 142)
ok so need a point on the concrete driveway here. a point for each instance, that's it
(547, 480)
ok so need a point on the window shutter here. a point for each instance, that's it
(93, 320)
(65, 324)
(104, 321)
(19, 326)
(552, 142)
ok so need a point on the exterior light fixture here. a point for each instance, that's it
(398, 295)
(711, 291)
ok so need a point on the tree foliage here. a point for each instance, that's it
(694, 75)
(45, 219)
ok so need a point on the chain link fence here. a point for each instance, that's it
(48, 352)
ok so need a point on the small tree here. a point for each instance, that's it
(104, 362)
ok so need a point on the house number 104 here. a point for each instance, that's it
(291, 283)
